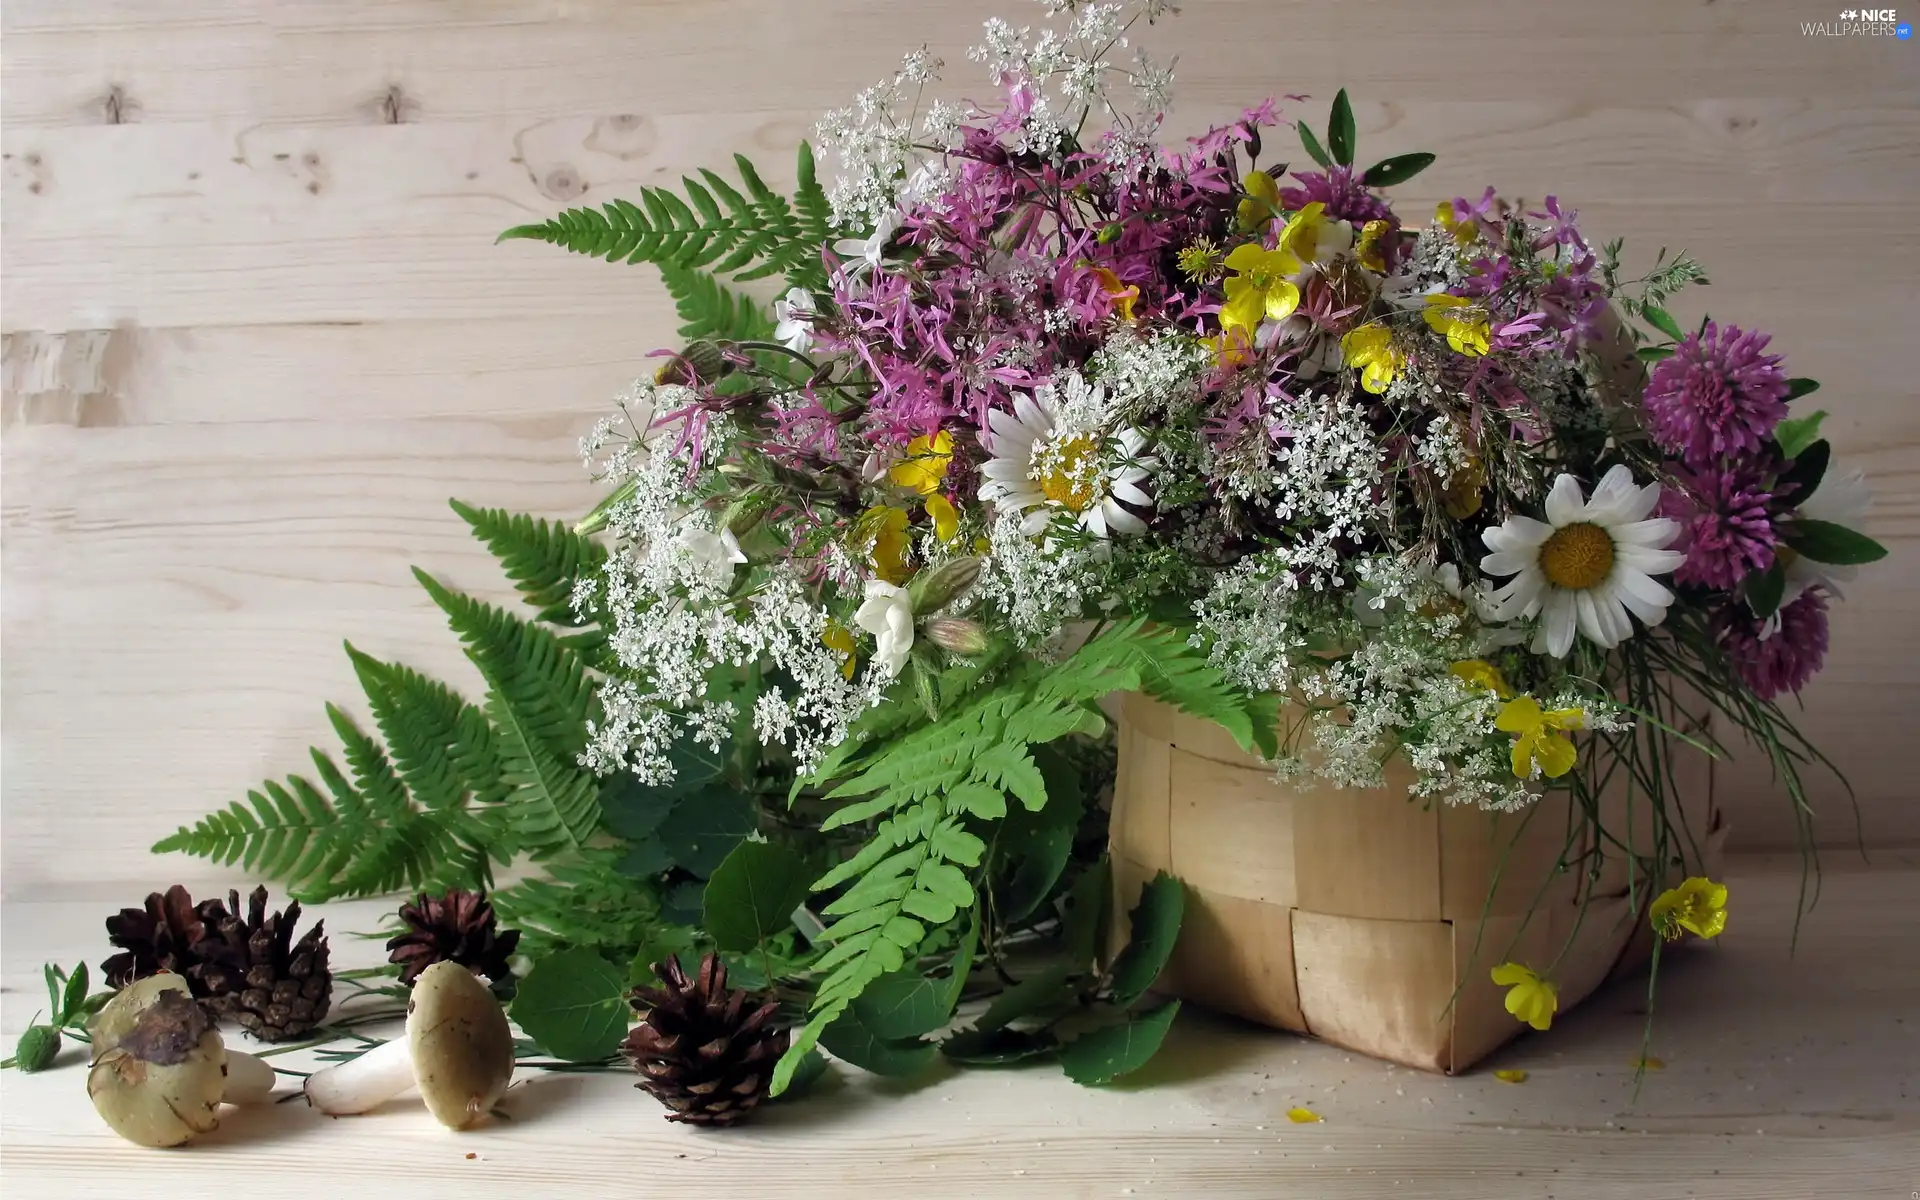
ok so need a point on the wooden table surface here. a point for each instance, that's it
(1786, 1076)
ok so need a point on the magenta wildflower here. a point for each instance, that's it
(1718, 394)
(1341, 191)
(1726, 531)
(1786, 659)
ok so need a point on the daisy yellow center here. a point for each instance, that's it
(1067, 473)
(1577, 557)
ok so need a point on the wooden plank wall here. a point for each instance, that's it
(256, 332)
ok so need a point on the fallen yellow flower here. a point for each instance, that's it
(1530, 998)
(1511, 1075)
(1303, 1116)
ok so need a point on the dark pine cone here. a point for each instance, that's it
(160, 937)
(458, 927)
(700, 1050)
(252, 971)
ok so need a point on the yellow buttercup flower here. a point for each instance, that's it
(1262, 200)
(1463, 232)
(1199, 260)
(1233, 348)
(925, 465)
(1370, 349)
(839, 639)
(946, 522)
(1461, 321)
(1476, 672)
(884, 528)
(1370, 251)
(1312, 236)
(1529, 998)
(1122, 295)
(1259, 287)
(1537, 738)
(1698, 905)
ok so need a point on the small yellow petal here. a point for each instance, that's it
(1510, 1075)
(946, 522)
(1555, 754)
(1282, 299)
(1650, 1063)
(1303, 1116)
(1520, 715)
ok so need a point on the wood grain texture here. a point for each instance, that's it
(1786, 1076)
(256, 332)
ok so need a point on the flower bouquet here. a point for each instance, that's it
(1041, 415)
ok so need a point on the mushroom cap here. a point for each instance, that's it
(461, 1044)
(159, 1065)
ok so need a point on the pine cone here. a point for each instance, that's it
(159, 937)
(699, 1049)
(251, 970)
(458, 927)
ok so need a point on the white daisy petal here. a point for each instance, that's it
(1657, 532)
(1558, 621)
(1515, 533)
(1507, 562)
(1565, 504)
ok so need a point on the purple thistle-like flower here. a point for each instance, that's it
(1726, 530)
(1786, 660)
(1341, 191)
(1717, 394)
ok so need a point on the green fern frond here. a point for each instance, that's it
(540, 700)
(587, 904)
(708, 309)
(748, 236)
(810, 201)
(441, 745)
(543, 558)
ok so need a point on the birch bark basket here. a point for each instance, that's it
(1368, 917)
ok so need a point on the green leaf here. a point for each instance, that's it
(1340, 130)
(751, 895)
(74, 999)
(1653, 354)
(1795, 434)
(905, 1004)
(979, 800)
(1083, 918)
(1797, 388)
(1804, 473)
(1765, 588)
(1044, 995)
(1396, 170)
(634, 810)
(999, 1047)
(701, 831)
(573, 1003)
(1156, 926)
(1034, 846)
(850, 1039)
(1662, 320)
(1314, 150)
(645, 859)
(1104, 1055)
(1825, 542)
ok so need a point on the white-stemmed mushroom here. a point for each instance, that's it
(458, 1051)
(160, 1071)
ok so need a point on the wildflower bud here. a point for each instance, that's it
(956, 635)
(38, 1046)
(1110, 233)
(924, 689)
(700, 360)
(744, 513)
(933, 590)
(596, 520)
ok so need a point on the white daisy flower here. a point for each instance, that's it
(791, 329)
(1042, 465)
(713, 555)
(1588, 565)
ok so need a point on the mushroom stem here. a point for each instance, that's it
(363, 1083)
(249, 1079)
